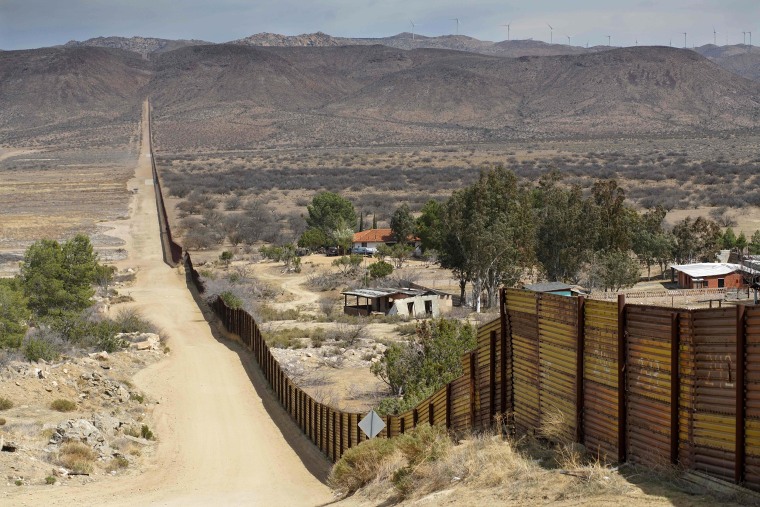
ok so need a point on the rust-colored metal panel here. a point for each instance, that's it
(752, 397)
(714, 372)
(687, 390)
(648, 384)
(557, 335)
(523, 301)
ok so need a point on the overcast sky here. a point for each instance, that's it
(38, 23)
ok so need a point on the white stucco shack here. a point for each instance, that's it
(404, 302)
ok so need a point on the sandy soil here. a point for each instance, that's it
(223, 440)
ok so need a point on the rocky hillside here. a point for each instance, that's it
(46, 92)
(235, 95)
(324, 96)
(513, 48)
(142, 45)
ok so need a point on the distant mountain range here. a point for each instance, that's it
(229, 96)
(741, 59)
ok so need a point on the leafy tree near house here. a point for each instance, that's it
(729, 239)
(563, 236)
(402, 224)
(490, 233)
(617, 270)
(651, 243)
(313, 239)
(754, 243)
(741, 242)
(427, 227)
(330, 212)
(696, 240)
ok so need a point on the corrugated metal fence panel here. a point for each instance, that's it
(648, 384)
(687, 394)
(523, 320)
(460, 404)
(488, 388)
(558, 343)
(714, 426)
(752, 394)
(600, 378)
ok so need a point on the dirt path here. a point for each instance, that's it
(222, 439)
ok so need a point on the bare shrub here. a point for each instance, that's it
(77, 457)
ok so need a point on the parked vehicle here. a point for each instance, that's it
(332, 251)
(364, 250)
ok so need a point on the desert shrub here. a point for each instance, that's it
(118, 463)
(50, 480)
(269, 313)
(77, 457)
(231, 300)
(380, 269)
(360, 465)
(146, 433)
(61, 405)
(42, 345)
(5, 403)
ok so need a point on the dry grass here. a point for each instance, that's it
(77, 457)
(61, 405)
(426, 460)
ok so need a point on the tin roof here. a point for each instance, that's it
(384, 292)
(549, 287)
(707, 269)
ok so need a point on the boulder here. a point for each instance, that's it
(78, 430)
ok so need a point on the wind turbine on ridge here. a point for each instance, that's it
(568, 39)
(413, 26)
(715, 36)
(551, 33)
(684, 40)
(609, 40)
(457, 20)
(507, 25)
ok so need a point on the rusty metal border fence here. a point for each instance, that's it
(644, 384)
(171, 250)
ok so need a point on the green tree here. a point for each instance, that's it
(313, 239)
(612, 219)
(426, 363)
(754, 243)
(380, 269)
(330, 212)
(14, 313)
(400, 253)
(651, 243)
(696, 239)
(490, 233)
(374, 220)
(428, 226)
(402, 224)
(58, 278)
(729, 239)
(741, 242)
(562, 234)
(618, 270)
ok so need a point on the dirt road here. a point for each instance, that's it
(222, 439)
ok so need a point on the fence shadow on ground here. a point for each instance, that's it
(313, 459)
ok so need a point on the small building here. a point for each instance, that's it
(558, 288)
(373, 238)
(708, 275)
(405, 302)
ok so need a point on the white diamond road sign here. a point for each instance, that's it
(372, 424)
